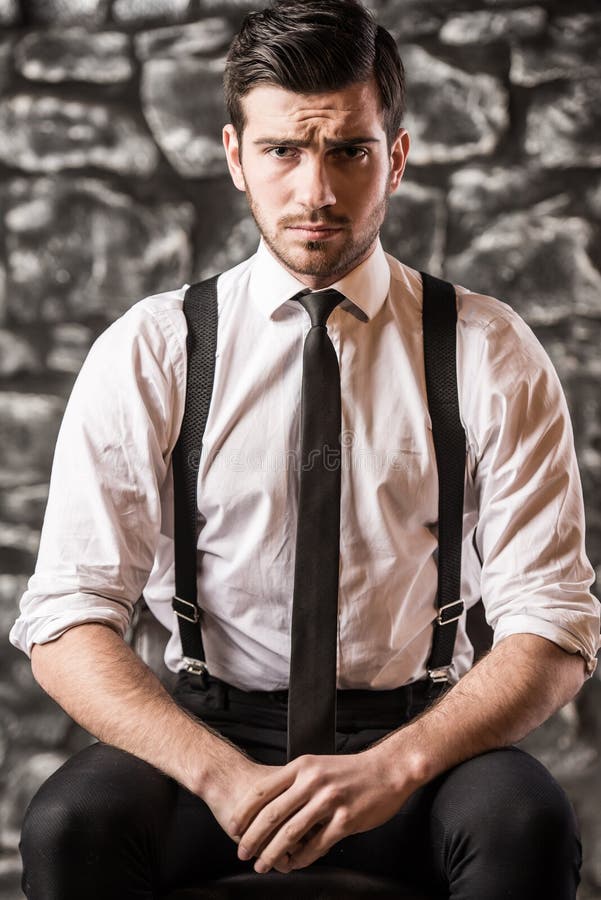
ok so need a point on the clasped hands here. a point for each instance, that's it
(293, 815)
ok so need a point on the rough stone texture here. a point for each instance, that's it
(29, 428)
(26, 778)
(17, 354)
(67, 12)
(80, 269)
(6, 50)
(181, 42)
(410, 19)
(11, 588)
(563, 127)
(2, 295)
(119, 103)
(593, 197)
(241, 241)
(478, 194)
(184, 111)
(70, 344)
(74, 54)
(211, 6)
(25, 504)
(452, 115)
(19, 538)
(573, 49)
(139, 11)
(9, 12)
(482, 27)
(537, 263)
(46, 134)
(415, 227)
(226, 232)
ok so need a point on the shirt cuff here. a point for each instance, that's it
(28, 631)
(567, 640)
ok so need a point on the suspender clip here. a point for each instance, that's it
(439, 676)
(195, 666)
(182, 613)
(454, 612)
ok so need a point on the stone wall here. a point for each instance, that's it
(113, 186)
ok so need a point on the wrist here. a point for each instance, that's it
(403, 764)
(211, 762)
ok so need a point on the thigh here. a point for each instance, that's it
(505, 827)
(108, 824)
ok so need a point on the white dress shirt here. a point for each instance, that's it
(107, 533)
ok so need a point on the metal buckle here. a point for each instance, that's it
(195, 615)
(444, 621)
(439, 675)
(195, 666)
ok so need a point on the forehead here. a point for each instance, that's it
(269, 107)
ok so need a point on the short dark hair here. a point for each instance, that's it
(314, 46)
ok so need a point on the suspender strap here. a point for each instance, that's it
(440, 357)
(200, 309)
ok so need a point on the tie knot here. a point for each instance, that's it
(319, 304)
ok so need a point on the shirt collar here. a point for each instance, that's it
(365, 287)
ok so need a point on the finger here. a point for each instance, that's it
(286, 840)
(283, 863)
(268, 822)
(319, 843)
(263, 791)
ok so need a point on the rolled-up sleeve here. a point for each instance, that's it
(535, 575)
(103, 516)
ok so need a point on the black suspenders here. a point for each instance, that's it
(439, 324)
(200, 308)
(440, 360)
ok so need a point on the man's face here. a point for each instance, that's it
(318, 174)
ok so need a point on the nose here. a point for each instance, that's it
(314, 189)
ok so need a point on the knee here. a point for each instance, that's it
(92, 800)
(506, 801)
(58, 823)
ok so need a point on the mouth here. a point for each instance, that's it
(315, 232)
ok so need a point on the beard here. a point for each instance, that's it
(320, 258)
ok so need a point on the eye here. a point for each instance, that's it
(280, 152)
(351, 152)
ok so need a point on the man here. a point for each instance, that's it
(185, 790)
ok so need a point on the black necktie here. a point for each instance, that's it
(314, 638)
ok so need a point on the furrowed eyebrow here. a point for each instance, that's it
(292, 142)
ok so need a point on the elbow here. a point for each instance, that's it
(575, 674)
(39, 656)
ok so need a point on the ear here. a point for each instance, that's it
(232, 154)
(398, 158)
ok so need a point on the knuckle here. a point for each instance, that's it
(332, 794)
(343, 817)
(290, 831)
(312, 778)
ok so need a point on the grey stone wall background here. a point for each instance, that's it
(113, 186)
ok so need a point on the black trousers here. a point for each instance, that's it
(107, 825)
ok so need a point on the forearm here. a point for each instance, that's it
(511, 691)
(105, 687)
